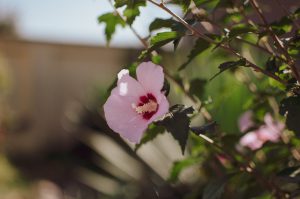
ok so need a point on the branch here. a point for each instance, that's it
(227, 48)
(246, 167)
(143, 41)
(275, 38)
(287, 13)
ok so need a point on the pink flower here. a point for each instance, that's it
(134, 104)
(270, 131)
(245, 121)
(251, 140)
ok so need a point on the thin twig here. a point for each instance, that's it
(287, 13)
(275, 38)
(269, 185)
(241, 39)
(129, 25)
(227, 48)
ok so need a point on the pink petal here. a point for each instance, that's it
(119, 113)
(151, 76)
(268, 119)
(267, 134)
(122, 118)
(128, 87)
(162, 109)
(245, 121)
(251, 140)
(272, 130)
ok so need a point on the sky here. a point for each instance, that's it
(73, 21)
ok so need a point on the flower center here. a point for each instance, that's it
(147, 106)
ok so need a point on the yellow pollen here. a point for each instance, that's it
(148, 107)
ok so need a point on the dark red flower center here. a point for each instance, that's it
(147, 106)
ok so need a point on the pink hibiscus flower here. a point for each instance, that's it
(270, 131)
(134, 104)
(245, 121)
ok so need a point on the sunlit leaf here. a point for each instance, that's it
(283, 26)
(132, 9)
(111, 20)
(241, 29)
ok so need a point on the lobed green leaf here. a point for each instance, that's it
(177, 123)
(111, 20)
(229, 65)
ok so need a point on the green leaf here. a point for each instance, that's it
(120, 3)
(200, 46)
(173, 25)
(164, 38)
(204, 128)
(132, 9)
(241, 29)
(290, 108)
(161, 23)
(283, 26)
(294, 45)
(184, 4)
(215, 188)
(201, 2)
(179, 166)
(177, 123)
(156, 59)
(111, 20)
(151, 133)
(197, 87)
(224, 4)
(235, 17)
(229, 65)
(159, 40)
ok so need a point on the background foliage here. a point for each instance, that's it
(237, 61)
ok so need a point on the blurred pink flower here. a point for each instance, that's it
(251, 140)
(134, 104)
(270, 131)
(245, 121)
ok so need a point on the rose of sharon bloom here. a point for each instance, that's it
(270, 131)
(245, 121)
(134, 104)
(251, 140)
